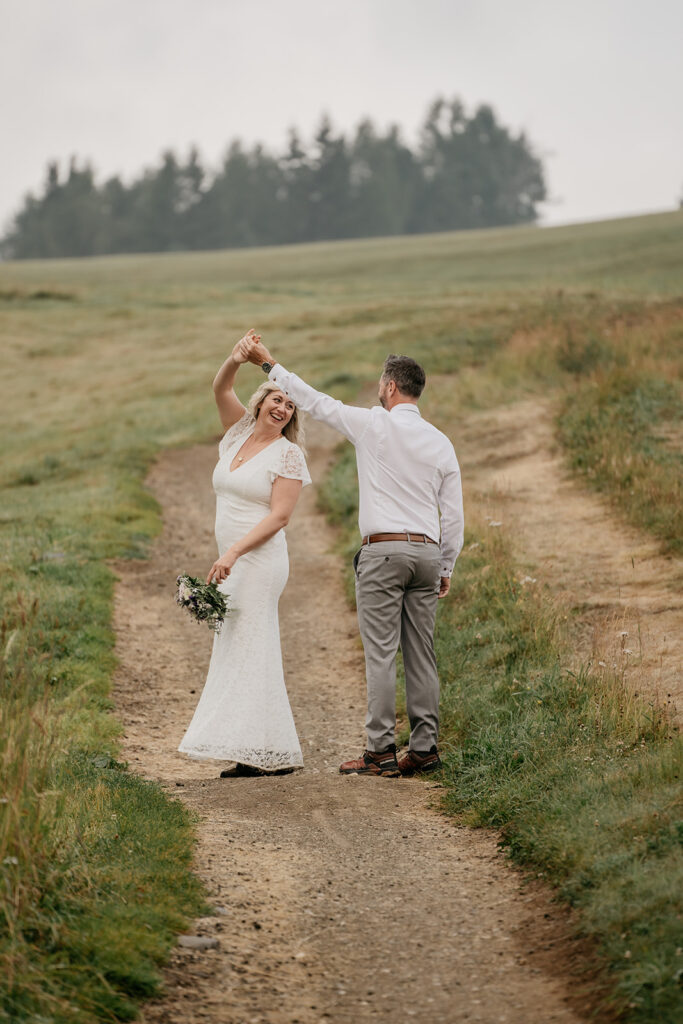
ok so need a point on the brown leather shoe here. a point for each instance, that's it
(414, 763)
(380, 762)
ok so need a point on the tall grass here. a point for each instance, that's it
(94, 863)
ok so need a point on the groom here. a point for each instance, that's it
(407, 474)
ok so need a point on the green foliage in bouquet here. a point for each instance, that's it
(204, 601)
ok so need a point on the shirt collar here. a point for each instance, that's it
(406, 407)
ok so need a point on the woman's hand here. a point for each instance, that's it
(220, 570)
(244, 346)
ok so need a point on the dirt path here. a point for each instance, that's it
(336, 899)
(610, 574)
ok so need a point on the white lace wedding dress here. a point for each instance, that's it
(243, 713)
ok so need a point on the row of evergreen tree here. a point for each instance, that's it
(467, 171)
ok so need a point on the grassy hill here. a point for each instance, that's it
(107, 360)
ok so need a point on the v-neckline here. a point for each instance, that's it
(247, 461)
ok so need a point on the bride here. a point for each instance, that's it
(243, 714)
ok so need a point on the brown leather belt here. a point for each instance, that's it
(420, 538)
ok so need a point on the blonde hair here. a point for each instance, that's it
(294, 429)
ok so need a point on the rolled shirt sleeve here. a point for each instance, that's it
(349, 420)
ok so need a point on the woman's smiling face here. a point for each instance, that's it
(276, 410)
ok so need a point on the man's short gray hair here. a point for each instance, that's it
(408, 376)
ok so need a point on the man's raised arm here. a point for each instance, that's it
(349, 420)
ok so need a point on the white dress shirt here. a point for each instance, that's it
(407, 469)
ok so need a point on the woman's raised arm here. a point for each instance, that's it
(230, 409)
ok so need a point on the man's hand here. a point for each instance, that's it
(259, 354)
(445, 586)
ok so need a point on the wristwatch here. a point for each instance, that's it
(266, 367)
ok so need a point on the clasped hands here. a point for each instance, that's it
(250, 350)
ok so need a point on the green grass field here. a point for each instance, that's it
(106, 361)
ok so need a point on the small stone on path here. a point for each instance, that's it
(198, 942)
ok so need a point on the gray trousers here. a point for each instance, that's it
(397, 586)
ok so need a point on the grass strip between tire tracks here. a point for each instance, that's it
(581, 778)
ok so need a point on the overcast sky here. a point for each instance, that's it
(596, 84)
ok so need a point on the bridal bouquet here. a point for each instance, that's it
(203, 601)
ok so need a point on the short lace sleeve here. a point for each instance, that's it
(290, 463)
(235, 432)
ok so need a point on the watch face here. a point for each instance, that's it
(266, 367)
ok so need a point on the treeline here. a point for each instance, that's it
(467, 171)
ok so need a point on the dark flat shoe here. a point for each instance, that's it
(241, 771)
(249, 771)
